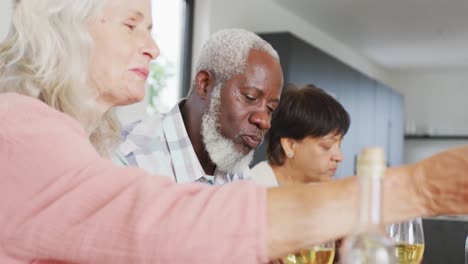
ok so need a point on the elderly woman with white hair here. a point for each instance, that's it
(63, 66)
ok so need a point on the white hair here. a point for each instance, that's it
(222, 151)
(225, 53)
(46, 55)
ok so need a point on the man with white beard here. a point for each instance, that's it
(210, 136)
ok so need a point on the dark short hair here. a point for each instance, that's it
(304, 112)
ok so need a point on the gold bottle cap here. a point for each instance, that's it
(372, 154)
(371, 162)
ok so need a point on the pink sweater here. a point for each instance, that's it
(60, 202)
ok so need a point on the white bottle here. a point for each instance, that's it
(369, 244)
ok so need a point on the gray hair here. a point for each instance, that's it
(225, 53)
(46, 55)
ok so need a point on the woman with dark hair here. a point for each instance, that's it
(304, 142)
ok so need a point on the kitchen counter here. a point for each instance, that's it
(450, 218)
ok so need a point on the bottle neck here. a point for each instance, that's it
(370, 203)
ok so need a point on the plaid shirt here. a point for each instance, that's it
(161, 146)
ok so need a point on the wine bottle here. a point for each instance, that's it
(369, 244)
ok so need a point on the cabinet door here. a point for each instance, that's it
(382, 118)
(397, 121)
(309, 65)
(349, 99)
(366, 112)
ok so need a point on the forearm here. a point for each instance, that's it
(434, 186)
(402, 199)
(442, 182)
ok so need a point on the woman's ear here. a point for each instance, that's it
(289, 146)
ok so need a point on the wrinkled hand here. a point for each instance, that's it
(442, 182)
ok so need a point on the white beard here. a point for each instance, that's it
(222, 151)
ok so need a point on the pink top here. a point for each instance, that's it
(59, 200)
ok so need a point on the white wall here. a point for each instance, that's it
(435, 103)
(5, 17)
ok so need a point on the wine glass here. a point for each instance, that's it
(409, 241)
(319, 254)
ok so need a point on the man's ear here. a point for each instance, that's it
(204, 83)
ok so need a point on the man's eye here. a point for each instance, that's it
(250, 98)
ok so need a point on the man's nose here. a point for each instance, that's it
(261, 119)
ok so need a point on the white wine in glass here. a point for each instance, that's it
(320, 254)
(409, 240)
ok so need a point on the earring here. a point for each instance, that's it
(290, 154)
